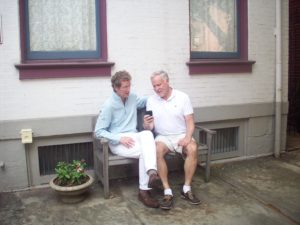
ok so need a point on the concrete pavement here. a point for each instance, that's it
(262, 191)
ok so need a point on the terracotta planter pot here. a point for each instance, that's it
(72, 194)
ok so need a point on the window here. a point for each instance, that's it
(61, 29)
(214, 34)
(218, 36)
(63, 38)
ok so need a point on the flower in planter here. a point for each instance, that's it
(71, 174)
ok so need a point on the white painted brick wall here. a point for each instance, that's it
(143, 36)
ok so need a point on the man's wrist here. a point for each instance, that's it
(189, 138)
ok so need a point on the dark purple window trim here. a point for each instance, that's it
(33, 69)
(220, 66)
(60, 70)
(239, 65)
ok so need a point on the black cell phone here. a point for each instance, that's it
(149, 112)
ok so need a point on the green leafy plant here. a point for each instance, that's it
(71, 174)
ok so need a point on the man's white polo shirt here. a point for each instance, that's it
(169, 114)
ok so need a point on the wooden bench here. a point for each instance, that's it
(104, 158)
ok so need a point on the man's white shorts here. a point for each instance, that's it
(171, 141)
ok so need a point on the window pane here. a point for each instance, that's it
(214, 26)
(62, 25)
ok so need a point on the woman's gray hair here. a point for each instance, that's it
(162, 74)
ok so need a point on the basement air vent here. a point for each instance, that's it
(50, 155)
(225, 140)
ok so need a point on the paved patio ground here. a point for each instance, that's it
(262, 191)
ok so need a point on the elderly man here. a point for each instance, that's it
(173, 124)
(117, 122)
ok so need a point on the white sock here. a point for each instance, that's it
(168, 191)
(186, 188)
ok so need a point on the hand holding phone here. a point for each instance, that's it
(148, 120)
(149, 112)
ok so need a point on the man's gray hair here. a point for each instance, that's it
(162, 74)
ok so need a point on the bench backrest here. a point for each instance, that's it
(140, 119)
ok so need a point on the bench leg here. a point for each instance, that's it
(207, 169)
(208, 157)
(207, 166)
(106, 182)
(105, 171)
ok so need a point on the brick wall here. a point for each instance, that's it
(143, 36)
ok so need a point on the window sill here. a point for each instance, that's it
(219, 66)
(39, 70)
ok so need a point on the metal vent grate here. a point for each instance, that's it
(50, 155)
(225, 140)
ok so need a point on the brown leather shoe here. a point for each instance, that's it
(147, 200)
(154, 181)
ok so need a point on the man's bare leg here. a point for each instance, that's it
(162, 169)
(190, 163)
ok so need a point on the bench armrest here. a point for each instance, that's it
(209, 131)
(209, 135)
(101, 145)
